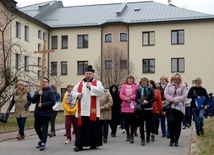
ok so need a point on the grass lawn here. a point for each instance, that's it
(12, 125)
(206, 143)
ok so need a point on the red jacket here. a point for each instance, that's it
(157, 104)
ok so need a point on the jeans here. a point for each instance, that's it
(211, 111)
(187, 116)
(198, 118)
(53, 118)
(163, 125)
(21, 124)
(122, 121)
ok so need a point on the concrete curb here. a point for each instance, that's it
(29, 132)
(193, 143)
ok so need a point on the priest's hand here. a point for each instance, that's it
(79, 96)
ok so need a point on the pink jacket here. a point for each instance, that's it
(125, 106)
(180, 95)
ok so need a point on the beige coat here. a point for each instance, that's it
(106, 103)
(19, 100)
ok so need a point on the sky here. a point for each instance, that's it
(205, 6)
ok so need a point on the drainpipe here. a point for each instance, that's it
(48, 41)
(128, 48)
(101, 74)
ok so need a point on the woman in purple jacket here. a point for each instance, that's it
(128, 95)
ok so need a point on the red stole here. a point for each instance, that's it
(93, 108)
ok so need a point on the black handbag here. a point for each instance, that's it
(167, 106)
(4, 117)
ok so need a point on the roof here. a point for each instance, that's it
(97, 15)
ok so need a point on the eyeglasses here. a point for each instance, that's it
(45, 81)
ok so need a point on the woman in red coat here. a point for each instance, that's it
(157, 108)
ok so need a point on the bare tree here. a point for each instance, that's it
(113, 67)
(16, 62)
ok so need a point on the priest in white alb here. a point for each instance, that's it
(88, 92)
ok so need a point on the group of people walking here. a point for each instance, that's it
(91, 109)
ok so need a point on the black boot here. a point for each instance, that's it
(171, 142)
(77, 148)
(176, 143)
(143, 142)
(153, 138)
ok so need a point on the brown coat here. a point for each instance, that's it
(20, 98)
(106, 103)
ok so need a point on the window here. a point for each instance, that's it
(39, 34)
(149, 38)
(82, 41)
(108, 37)
(64, 68)
(123, 64)
(123, 37)
(108, 64)
(18, 30)
(39, 47)
(177, 65)
(39, 74)
(44, 36)
(54, 42)
(27, 63)
(64, 42)
(18, 61)
(53, 68)
(148, 65)
(63, 91)
(177, 37)
(81, 65)
(39, 62)
(26, 33)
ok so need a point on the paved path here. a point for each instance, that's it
(117, 146)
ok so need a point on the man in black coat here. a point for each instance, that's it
(42, 112)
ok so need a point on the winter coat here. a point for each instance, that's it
(178, 93)
(106, 103)
(157, 104)
(48, 101)
(68, 110)
(20, 101)
(116, 105)
(150, 98)
(125, 107)
(194, 92)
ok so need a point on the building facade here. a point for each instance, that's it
(156, 39)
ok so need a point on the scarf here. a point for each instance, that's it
(144, 91)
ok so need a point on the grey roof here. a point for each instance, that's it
(130, 13)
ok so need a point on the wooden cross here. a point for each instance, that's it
(43, 52)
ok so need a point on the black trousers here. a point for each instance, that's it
(146, 116)
(174, 119)
(53, 119)
(41, 127)
(104, 128)
(129, 123)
